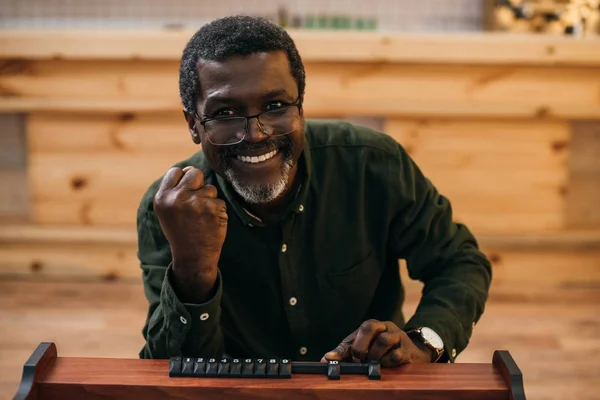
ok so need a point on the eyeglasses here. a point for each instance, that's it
(228, 131)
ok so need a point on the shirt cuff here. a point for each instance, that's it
(447, 326)
(186, 319)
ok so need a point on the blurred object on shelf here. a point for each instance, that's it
(339, 22)
(558, 17)
(339, 15)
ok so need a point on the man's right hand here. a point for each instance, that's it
(194, 221)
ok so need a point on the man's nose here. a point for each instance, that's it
(255, 133)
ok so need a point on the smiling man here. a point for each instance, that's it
(281, 237)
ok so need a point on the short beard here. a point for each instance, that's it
(263, 194)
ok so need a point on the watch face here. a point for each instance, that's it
(432, 337)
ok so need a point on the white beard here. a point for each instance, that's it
(261, 194)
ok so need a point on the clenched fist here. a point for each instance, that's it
(194, 221)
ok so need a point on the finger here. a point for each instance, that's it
(341, 353)
(186, 169)
(343, 350)
(193, 179)
(396, 356)
(365, 336)
(383, 343)
(207, 191)
(171, 179)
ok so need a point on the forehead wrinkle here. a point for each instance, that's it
(235, 80)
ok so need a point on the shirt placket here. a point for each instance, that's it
(293, 291)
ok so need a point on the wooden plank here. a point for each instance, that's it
(33, 233)
(501, 176)
(86, 156)
(12, 141)
(78, 178)
(119, 210)
(124, 133)
(562, 269)
(566, 260)
(552, 269)
(96, 175)
(71, 260)
(14, 195)
(583, 194)
(484, 48)
(457, 90)
(371, 89)
(549, 269)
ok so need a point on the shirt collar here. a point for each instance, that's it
(298, 203)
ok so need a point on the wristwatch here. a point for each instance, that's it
(430, 339)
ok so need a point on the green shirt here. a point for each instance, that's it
(295, 289)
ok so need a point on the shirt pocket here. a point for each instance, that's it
(347, 293)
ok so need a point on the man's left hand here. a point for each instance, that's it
(379, 341)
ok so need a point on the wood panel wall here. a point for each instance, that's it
(507, 130)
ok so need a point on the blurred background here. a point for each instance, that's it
(497, 101)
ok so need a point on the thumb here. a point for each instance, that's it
(343, 351)
(340, 353)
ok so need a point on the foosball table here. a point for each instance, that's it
(47, 376)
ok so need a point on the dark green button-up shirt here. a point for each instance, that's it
(295, 289)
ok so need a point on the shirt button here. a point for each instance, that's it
(453, 353)
(204, 317)
(301, 208)
(284, 248)
(303, 350)
(293, 301)
(183, 320)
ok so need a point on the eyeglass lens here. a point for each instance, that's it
(233, 130)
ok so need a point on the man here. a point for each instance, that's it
(281, 237)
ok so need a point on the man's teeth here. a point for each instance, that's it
(257, 159)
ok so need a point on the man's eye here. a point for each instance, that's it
(274, 105)
(226, 112)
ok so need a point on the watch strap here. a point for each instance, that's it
(436, 352)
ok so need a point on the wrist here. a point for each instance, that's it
(194, 283)
(428, 341)
(428, 354)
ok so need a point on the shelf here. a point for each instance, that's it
(314, 46)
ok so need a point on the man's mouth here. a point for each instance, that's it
(258, 158)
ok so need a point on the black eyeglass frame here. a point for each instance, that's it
(296, 103)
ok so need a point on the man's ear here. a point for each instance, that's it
(192, 127)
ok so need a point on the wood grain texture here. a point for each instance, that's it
(100, 165)
(130, 378)
(360, 89)
(14, 195)
(501, 176)
(583, 193)
(12, 141)
(95, 261)
(552, 334)
(553, 262)
(124, 133)
(313, 46)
